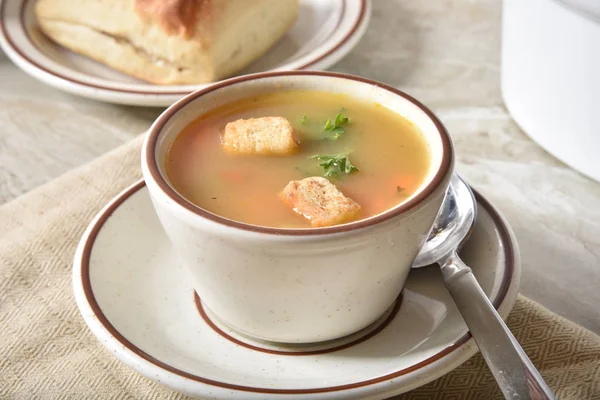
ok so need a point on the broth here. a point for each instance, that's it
(390, 153)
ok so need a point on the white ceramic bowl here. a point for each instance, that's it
(297, 285)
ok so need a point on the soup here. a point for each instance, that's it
(361, 154)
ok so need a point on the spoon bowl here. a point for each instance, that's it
(453, 225)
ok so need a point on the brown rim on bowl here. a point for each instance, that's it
(157, 126)
(508, 275)
(22, 14)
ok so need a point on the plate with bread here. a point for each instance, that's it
(153, 52)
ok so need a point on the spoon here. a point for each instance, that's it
(517, 377)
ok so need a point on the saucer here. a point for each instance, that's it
(138, 300)
(324, 31)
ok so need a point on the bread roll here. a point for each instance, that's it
(168, 41)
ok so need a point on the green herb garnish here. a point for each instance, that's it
(335, 164)
(335, 127)
(304, 119)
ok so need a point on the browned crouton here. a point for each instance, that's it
(319, 201)
(266, 135)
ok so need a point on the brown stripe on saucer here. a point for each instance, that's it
(509, 254)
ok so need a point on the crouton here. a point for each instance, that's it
(266, 135)
(319, 201)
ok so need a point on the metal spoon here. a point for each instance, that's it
(516, 375)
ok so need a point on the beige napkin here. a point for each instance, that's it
(47, 352)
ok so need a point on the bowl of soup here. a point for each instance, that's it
(297, 200)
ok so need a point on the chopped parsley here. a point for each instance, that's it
(304, 119)
(335, 164)
(335, 129)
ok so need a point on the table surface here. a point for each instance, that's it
(445, 53)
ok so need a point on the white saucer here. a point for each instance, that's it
(138, 300)
(324, 32)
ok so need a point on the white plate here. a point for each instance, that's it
(138, 301)
(324, 32)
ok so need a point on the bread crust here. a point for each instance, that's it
(223, 37)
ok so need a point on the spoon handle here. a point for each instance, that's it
(516, 375)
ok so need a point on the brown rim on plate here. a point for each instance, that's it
(156, 128)
(16, 49)
(509, 260)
